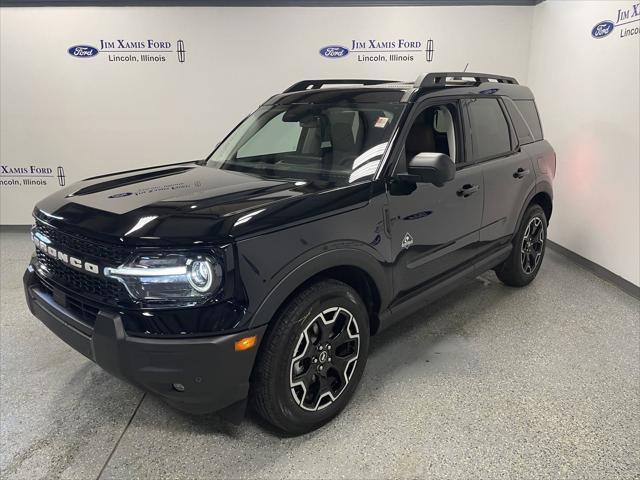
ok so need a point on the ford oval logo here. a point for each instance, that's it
(334, 51)
(83, 51)
(602, 29)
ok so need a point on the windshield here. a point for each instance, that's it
(335, 143)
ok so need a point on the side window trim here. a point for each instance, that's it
(513, 137)
(466, 127)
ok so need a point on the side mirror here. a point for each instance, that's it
(428, 167)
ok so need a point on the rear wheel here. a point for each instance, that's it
(312, 358)
(529, 246)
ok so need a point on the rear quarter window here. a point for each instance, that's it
(523, 132)
(530, 114)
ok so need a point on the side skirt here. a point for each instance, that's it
(442, 286)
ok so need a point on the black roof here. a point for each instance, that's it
(390, 91)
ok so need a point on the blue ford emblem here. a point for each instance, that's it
(83, 51)
(602, 29)
(334, 51)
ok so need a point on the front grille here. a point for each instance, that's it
(110, 254)
(95, 287)
(105, 290)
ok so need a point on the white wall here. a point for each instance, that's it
(587, 91)
(92, 116)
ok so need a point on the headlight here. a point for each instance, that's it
(169, 277)
(201, 275)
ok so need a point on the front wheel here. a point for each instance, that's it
(312, 358)
(529, 245)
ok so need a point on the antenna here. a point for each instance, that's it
(465, 67)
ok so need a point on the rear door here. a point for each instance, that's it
(508, 171)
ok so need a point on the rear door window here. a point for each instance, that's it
(490, 133)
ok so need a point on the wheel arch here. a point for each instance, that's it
(361, 282)
(541, 194)
(360, 270)
(544, 200)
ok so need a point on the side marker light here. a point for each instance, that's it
(246, 343)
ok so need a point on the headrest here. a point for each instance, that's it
(443, 120)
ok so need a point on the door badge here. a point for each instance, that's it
(407, 241)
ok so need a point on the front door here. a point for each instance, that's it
(434, 229)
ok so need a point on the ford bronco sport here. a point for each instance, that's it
(259, 274)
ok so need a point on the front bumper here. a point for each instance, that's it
(213, 374)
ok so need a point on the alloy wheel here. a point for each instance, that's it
(532, 243)
(324, 358)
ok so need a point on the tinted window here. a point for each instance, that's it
(522, 129)
(489, 128)
(530, 114)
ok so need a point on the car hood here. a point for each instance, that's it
(186, 204)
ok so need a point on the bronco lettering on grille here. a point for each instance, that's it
(66, 258)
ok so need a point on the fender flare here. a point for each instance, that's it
(540, 187)
(343, 257)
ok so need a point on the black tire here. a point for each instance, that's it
(525, 259)
(283, 390)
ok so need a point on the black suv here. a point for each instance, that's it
(261, 272)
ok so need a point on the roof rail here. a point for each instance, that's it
(316, 84)
(439, 79)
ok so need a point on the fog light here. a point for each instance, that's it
(178, 387)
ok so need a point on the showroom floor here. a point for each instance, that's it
(489, 382)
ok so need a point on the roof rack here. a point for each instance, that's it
(439, 79)
(316, 84)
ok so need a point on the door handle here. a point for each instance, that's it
(468, 190)
(521, 172)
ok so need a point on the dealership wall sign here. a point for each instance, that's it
(130, 88)
(625, 20)
(31, 176)
(376, 50)
(123, 50)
